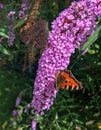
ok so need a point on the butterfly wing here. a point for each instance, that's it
(66, 80)
(59, 80)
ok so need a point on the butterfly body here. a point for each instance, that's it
(66, 80)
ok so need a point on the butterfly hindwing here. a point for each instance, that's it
(66, 80)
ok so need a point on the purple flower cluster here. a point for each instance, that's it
(18, 99)
(33, 124)
(11, 33)
(11, 38)
(10, 15)
(16, 112)
(71, 28)
(99, 9)
(98, 4)
(1, 38)
(24, 8)
(1, 6)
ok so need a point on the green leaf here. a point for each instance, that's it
(3, 32)
(20, 23)
(4, 125)
(4, 50)
(3, 35)
(73, 106)
(93, 38)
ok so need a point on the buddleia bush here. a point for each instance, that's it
(70, 39)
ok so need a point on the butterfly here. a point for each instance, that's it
(66, 80)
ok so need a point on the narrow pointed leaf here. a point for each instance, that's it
(93, 38)
(19, 23)
(4, 50)
(3, 32)
(3, 35)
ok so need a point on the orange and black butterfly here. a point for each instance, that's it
(66, 80)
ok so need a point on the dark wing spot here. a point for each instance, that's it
(65, 86)
(70, 87)
(66, 81)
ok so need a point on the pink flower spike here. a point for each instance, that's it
(18, 99)
(70, 29)
(33, 124)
